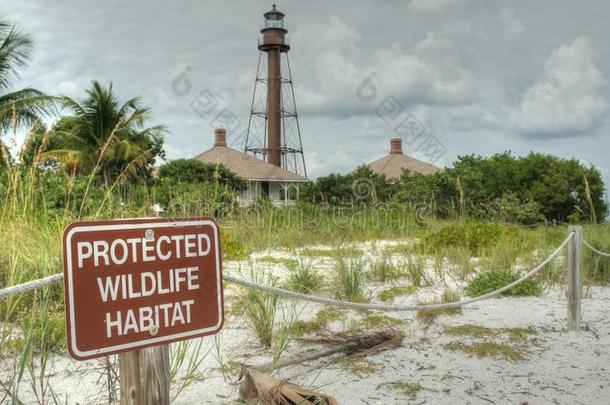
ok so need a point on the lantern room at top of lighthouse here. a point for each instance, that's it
(273, 32)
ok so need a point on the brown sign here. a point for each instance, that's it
(135, 283)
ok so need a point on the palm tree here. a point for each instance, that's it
(18, 108)
(106, 136)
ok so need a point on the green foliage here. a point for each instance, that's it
(407, 388)
(193, 171)
(358, 366)
(338, 252)
(416, 268)
(323, 318)
(515, 335)
(428, 195)
(377, 321)
(18, 108)
(50, 330)
(504, 187)
(395, 291)
(194, 199)
(597, 268)
(260, 309)
(509, 208)
(488, 349)
(233, 249)
(490, 281)
(382, 269)
(302, 277)
(348, 282)
(509, 188)
(105, 136)
(475, 236)
(360, 187)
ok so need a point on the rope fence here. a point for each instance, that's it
(35, 284)
(593, 249)
(574, 241)
(399, 308)
(30, 285)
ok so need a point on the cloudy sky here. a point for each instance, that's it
(481, 76)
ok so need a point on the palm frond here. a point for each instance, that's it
(73, 105)
(23, 107)
(152, 132)
(137, 118)
(136, 164)
(15, 52)
(125, 149)
(64, 155)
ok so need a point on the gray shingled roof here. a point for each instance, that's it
(392, 164)
(246, 166)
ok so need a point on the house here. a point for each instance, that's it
(264, 179)
(392, 164)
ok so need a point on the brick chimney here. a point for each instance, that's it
(220, 137)
(395, 146)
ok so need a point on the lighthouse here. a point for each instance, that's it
(274, 134)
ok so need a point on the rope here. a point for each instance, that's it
(30, 285)
(599, 252)
(396, 308)
(327, 301)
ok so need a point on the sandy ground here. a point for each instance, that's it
(559, 367)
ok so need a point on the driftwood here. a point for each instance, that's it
(261, 389)
(356, 344)
(361, 344)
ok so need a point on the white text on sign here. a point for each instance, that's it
(102, 253)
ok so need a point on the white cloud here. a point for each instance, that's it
(322, 163)
(434, 6)
(428, 74)
(461, 67)
(569, 100)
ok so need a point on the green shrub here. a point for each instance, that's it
(382, 269)
(195, 171)
(509, 208)
(232, 249)
(194, 199)
(597, 268)
(260, 310)
(348, 280)
(303, 277)
(492, 280)
(475, 236)
(390, 293)
(416, 267)
(51, 332)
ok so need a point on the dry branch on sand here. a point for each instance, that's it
(360, 344)
(259, 388)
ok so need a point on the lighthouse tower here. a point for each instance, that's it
(273, 128)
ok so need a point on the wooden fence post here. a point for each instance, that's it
(145, 376)
(129, 377)
(153, 369)
(575, 267)
(156, 374)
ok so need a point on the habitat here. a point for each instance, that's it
(428, 226)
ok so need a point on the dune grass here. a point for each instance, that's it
(33, 215)
(348, 281)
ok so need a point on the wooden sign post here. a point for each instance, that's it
(134, 286)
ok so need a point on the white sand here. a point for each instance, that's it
(560, 368)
